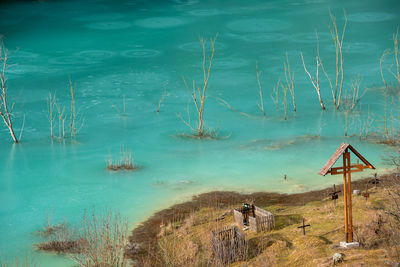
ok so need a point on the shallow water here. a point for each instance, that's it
(113, 49)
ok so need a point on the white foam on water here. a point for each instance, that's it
(258, 25)
(109, 25)
(140, 53)
(370, 17)
(160, 22)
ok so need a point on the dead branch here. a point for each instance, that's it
(261, 104)
(5, 113)
(275, 94)
(338, 42)
(289, 76)
(315, 82)
(51, 101)
(227, 105)
(162, 97)
(198, 94)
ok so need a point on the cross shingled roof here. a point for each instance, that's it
(342, 148)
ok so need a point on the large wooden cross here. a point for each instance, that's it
(347, 168)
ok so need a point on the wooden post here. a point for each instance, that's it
(344, 150)
(350, 234)
(346, 219)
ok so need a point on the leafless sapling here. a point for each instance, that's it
(289, 78)
(198, 93)
(5, 109)
(315, 81)
(261, 104)
(162, 97)
(338, 42)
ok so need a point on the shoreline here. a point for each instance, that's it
(145, 234)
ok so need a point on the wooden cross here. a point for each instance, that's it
(304, 227)
(347, 168)
(334, 194)
(366, 194)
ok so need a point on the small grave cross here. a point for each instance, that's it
(334, 194)
(366, 194)
(304, 227)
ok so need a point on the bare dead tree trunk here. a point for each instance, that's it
(261, 104)
(338, 41)
(315, 82)
(162, 98)
(350, 100)
(51, 102)
(61, 121)
(199, 94)
(289, 76)
(396, 54)
(284, 101)
(5, 112)
(275, 94)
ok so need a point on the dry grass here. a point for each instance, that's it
(100, 241)
(184, 238)
(17, 262)
(124, 163)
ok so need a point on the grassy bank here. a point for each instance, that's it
(180, 235)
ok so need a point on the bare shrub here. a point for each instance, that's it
(105, 239)
(17, 262)
(198, 94)
(125, 161)
(58, 237)
(371, 233)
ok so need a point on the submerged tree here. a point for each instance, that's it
(198, 93)
(55, 110)
(261, 104)
(287, 85)
(289, 80)
(315, 81)
(350, 101)
(396, 55)
(338, 42)
(5, 109)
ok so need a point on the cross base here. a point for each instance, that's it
(344, 244)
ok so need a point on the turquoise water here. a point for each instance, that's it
(113, 49)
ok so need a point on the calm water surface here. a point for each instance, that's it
(132, 49)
